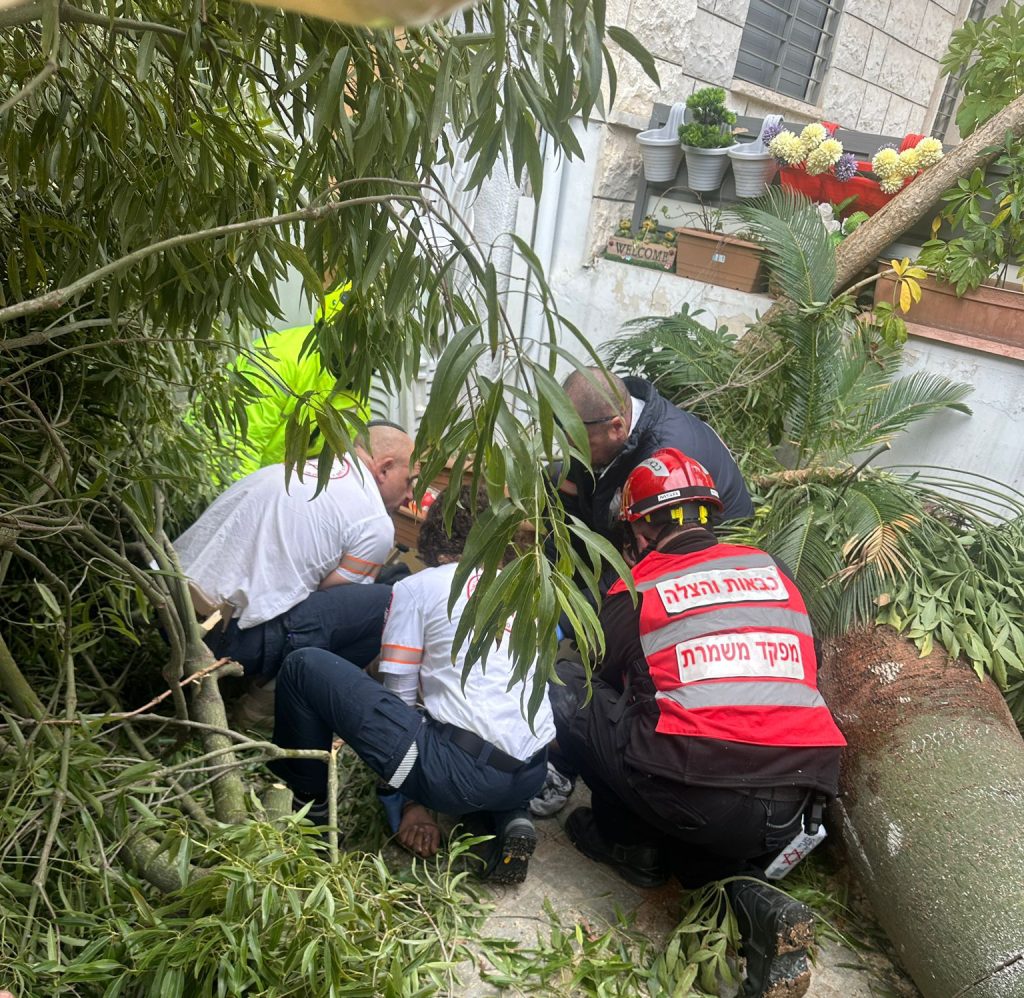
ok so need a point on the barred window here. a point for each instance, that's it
(786, 44)
(951, 92)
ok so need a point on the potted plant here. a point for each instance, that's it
(649, 246)
(708, 255)
(707, 138)
(815, 164)
(973, 291)
(660, 148)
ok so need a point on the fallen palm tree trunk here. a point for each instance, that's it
(932, 811)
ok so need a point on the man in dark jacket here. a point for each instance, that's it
(705, 738)
(627, 421)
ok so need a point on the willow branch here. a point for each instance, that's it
(41, 336)
(188, 803)
(60, 296)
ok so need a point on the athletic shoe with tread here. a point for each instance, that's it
(517, 839)
(776, 931)
(640, 864)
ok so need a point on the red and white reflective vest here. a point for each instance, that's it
(729, 649)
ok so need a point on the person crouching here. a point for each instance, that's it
(468, 748)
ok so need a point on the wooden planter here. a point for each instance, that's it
(988, 313)
(718, 259)
(639, 251)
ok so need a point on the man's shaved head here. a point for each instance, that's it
(603, 403)
(387, 449)
(388, 440)
(596, 394)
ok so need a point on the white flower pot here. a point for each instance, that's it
(752, 171)
(705, 168)
(661, 154)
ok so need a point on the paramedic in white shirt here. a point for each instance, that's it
(291, 569)
(467, 750)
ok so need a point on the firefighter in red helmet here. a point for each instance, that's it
(706, 740)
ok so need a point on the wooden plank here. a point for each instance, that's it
(965, 341)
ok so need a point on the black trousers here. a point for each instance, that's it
(347, 620)
(706, 833)
(320, 694)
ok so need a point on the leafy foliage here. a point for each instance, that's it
(162, 171)
(583, 959)
(709, 127)
(733, 384)
(987, 222)
(988, 57)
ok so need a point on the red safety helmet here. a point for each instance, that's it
(667, 478)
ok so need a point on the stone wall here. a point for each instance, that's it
(883, 76)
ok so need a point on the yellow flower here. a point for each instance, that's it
(909, 164)
(929, 152)
(787, 147)
(891, 185)
(823, 157)
(812, 136)
(886, 163)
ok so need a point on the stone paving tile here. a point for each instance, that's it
(577, 888)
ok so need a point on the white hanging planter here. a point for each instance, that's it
(661, 155)
(660, 148)
(752, 170)
(705, 168)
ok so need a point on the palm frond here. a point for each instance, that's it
(873, 521)
(963, 495)
(810, 400)
(905, 401)
(680, 354)
(797, 247)
(795, 531)
(731, 385)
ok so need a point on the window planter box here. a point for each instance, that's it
(715, 258)
(639, 251)
(989, 313)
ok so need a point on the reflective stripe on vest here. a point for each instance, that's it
(747, 694)
(729, 649)
(727, 619)
(756, 560)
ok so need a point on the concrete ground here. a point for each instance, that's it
(579, 889)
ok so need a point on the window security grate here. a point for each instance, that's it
(951, 92)
(786, 45)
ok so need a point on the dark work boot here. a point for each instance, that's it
(516, 839)
(775, 932)
(641, 864)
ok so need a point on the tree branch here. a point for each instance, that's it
(40, 336)
(59, 296)
(869, 239)
(51, 43)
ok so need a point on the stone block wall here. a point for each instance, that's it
(883, 76)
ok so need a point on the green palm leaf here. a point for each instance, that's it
(797, 247)
(905, 401)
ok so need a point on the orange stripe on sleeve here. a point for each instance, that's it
(401, 654)
(358, 566)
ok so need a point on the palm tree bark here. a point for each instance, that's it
(917, 199)
(930, 810)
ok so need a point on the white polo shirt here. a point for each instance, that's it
(263, 548)
(418, 639)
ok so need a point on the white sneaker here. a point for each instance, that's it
(553, 795)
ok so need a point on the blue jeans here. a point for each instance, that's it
(319, 694)
(348, 620)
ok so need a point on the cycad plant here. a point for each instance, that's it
(806, 399)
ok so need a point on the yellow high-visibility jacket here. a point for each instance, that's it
(282, 374)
